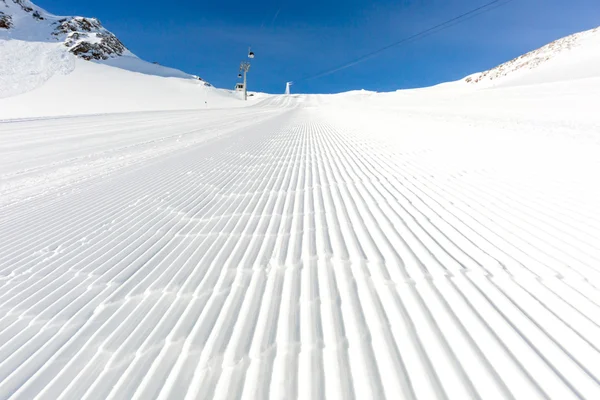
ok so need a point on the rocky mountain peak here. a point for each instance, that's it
(84, 37)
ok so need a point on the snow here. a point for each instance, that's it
(439, 243)
(28, 65)
(304, 247)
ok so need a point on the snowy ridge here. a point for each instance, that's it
(589, 40)
(304, 254)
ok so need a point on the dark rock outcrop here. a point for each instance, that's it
(5, 21)
(87, 38)
(25, 5)
(108, 46)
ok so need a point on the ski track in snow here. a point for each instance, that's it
(282, 252)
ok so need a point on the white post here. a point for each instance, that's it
(287, 87)
(245, 87)
(245, 66)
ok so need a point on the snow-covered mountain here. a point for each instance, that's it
(84, 37)
(573, 57)
(48, 61)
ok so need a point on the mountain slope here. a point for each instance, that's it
(573, 57)
(83, 37)
(53, 65)
(93, 88)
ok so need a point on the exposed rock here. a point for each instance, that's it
(108, 46)
(75, 24)
(5, 21)
(87, 38)
(25, 5)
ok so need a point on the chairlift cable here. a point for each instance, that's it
(492, 5)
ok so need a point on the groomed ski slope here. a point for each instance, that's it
(305, 247)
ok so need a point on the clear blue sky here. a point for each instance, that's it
(294, 39)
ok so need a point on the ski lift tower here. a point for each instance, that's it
(245, 67)
(287, 87)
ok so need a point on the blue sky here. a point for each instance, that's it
(294, 39)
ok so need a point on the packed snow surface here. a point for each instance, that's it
(306, 247)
